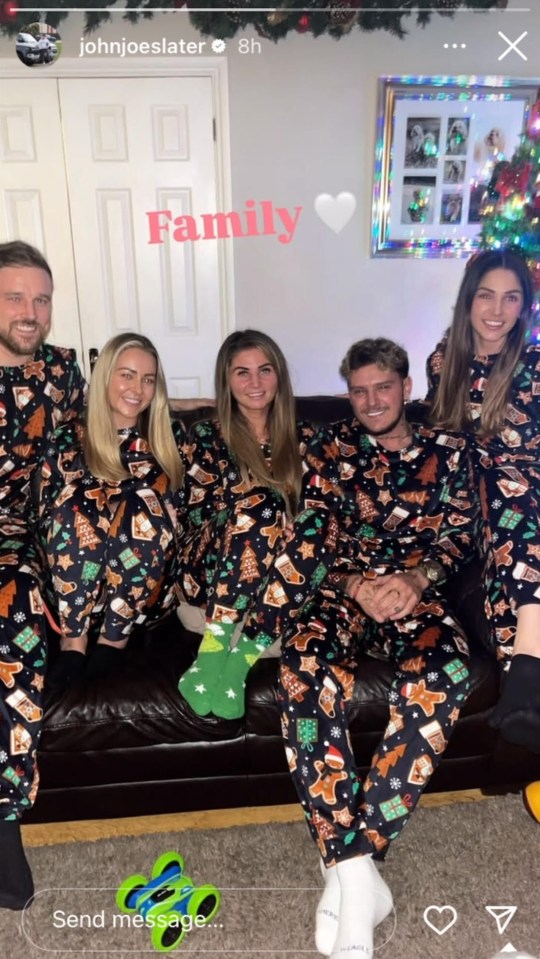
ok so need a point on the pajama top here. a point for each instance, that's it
(509, 471)
(396, 509)
(232, 528)
(213, 482)
(110, 545)
(35, 398)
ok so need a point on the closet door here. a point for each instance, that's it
(34, 203)
(134, 146)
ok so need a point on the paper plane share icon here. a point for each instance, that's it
(502, 915)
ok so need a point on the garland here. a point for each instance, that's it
(318, 17)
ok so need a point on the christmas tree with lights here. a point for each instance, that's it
(511, 210)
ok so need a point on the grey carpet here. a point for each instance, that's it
(466, 856)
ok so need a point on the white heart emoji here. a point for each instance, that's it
(439, 910)
(335, 211)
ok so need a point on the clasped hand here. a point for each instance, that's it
(389, 597)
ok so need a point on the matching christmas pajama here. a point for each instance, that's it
(35, 398)
(508, 470)
(394, 510)
(233, 532)
(111, 547)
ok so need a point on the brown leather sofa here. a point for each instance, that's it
(127, 747)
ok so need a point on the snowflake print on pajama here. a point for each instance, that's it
(508, 468)
(111, 547)
(233, 531)
(237, 563)
(395, 510)
(429, 654)
(35, 398)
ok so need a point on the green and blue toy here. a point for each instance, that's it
(169, 902)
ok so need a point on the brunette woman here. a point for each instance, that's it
(242, 487)
(485, 377)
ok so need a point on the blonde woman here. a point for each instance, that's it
(486, 378)
(108, 509)
(242, 486)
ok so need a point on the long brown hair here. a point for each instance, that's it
(100, 441)
(451, 405)
(286, 472)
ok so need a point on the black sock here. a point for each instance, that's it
(104, 660)
(16, 884)
(517, 714)
(67, 668)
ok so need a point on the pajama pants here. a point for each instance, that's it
(113, 564)
(511, 514)
(429, 654)
(22, 667)
(249, 565)
(225, 562)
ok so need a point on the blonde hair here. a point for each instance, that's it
(285, 474)
(451, 405)
(100, 443)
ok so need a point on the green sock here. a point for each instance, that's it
(198, 682)
(228, 699)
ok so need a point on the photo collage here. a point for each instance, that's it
(423, 150)
(440, 151)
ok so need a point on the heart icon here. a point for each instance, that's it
(439, 910)
(335, 211)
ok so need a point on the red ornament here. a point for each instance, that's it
(304, 23)
(513, 179)
(533, 123)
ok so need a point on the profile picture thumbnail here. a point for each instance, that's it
(38, 44)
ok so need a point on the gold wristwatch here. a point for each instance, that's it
(433, 571)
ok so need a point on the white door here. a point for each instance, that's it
(34, 203)
(83, 161)
(135, 146)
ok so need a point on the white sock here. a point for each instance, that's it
(365, 901)
(326, 920)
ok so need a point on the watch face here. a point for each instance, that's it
(433, 571)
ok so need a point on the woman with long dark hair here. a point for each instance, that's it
(242, 486)
(485, 377)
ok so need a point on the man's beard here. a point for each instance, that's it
(390, 428)
(12, 343)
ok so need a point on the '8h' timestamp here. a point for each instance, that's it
(246, 45)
